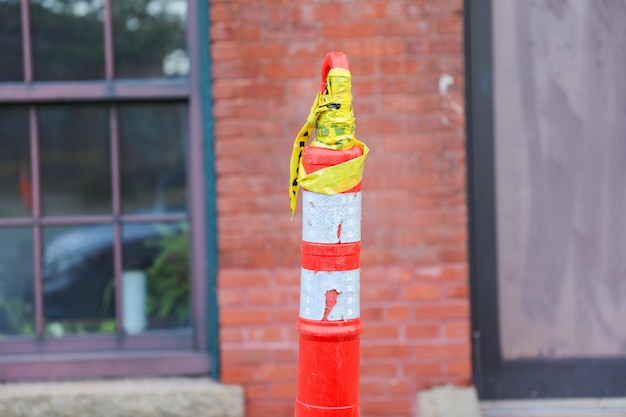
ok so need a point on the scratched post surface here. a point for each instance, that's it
(329, 321)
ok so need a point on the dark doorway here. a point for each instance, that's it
(546, 116)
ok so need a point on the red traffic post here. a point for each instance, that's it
(329, 321)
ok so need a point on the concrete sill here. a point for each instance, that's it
(600, 407)
(163, 397)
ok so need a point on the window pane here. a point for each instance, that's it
(16, 281)
(12, 66)
(75, 159)
(78, 283)
(68, 42)
(156, 276)
(15, 184)
(561, 195)
(149, 38)
(153, 143)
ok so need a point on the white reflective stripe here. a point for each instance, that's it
(314, 286)
(323, 214)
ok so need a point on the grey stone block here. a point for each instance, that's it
(168, 397)
(448, 401)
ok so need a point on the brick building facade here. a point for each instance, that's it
(406, 59)
(126, 122)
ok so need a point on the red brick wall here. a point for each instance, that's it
(266, 58)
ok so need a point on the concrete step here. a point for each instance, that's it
(450, 401)
(163, 397)
(591, 407)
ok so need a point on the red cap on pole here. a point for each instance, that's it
(333, 60)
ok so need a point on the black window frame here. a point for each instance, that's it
(494, 377)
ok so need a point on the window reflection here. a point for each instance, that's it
(11, 68)
(156, 276)
(17, 316)
(15, 181)
(75, 159)
(78, 284)
(149, 38)
(68, 39)
(153, 144)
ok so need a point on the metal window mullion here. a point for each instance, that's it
(97, 219)
(37, 232)
(117, 265)
(16, 222)
(151, 218)
(117, 219)
(96, 91)
(27, 49)
(75, 220)
(195, 186)
(108, 40)
(205, 262)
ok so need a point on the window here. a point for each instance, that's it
(101, 209)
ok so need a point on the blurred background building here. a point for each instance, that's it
(144, 146)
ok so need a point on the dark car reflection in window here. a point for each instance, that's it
(78, 273)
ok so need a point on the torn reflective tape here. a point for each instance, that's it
(331, 218)
(315, 287)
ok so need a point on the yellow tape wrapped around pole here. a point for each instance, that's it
(337, 178)
(332, 117)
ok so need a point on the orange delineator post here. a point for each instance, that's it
(329, 323)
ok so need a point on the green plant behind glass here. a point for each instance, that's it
(16, 317)
(168, 277)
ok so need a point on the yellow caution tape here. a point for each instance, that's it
(333, 119)
(337, 178)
